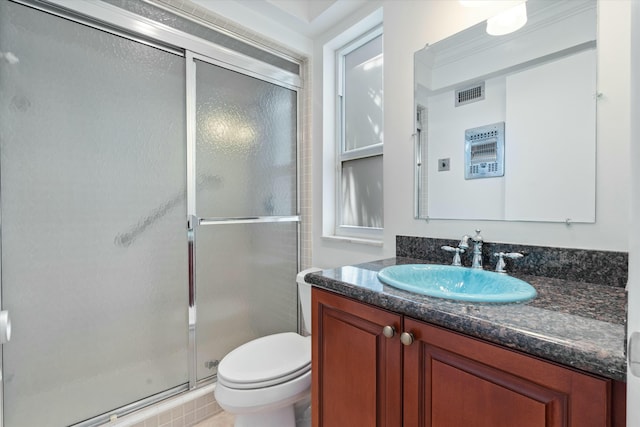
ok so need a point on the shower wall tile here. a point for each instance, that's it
(164, 418)
(189, 418)
(177, 412)
(185, 410)
(306, 168)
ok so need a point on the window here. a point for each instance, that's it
(360, 136)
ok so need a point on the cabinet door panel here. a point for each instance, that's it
(465, 393)
(452, 380)
(356, 369)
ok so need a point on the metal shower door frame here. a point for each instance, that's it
(111, 19)
(193, 220)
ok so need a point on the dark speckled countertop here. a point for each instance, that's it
(577, 324)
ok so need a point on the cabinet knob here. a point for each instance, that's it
(406, 338)
(388, 331)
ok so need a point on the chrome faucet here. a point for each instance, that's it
(477, 248)
(500, 265)
(464, 242)
(456, 258)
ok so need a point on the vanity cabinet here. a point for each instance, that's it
(363, 375)
(356, 371)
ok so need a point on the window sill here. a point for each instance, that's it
(356, 240)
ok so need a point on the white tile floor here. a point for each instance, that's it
(224, 419)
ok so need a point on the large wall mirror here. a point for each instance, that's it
(506, 125)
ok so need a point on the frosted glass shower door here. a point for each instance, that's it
(247, 237)
(94, 249)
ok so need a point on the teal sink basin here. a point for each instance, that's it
(457, 283)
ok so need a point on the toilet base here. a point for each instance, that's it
(280, 417)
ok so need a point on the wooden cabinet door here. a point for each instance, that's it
(451, 380)
(356, 370)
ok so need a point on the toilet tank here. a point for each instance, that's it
(304, 293)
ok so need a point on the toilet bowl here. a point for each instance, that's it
(261, 381)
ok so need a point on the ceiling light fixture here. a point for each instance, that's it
(508, 21)
(477, 3)
(499, 4)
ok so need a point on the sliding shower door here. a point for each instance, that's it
(246, 208)
(94, 245)
(148, 206)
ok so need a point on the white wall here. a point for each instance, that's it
(446, 126)
(329, 251)
(408, 25)
(633, 321)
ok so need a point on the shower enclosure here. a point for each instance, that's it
(148, 190)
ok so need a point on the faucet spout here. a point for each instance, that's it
(464, 242)
(477, 250)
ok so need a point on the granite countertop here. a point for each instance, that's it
(577, 324)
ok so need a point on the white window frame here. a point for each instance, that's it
(374, 150)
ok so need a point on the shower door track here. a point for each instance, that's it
(114, 20)
(133, 407)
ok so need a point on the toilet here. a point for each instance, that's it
(261, 381)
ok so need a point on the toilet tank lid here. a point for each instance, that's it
(266, 358)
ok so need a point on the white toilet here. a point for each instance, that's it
(261, 381)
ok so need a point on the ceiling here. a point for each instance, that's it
(305, 17)
(305, 10)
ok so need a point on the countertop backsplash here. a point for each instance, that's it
(580, 265)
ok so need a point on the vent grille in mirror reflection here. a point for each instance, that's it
(469, 94)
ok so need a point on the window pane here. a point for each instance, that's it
(363, 95)
(362, 192)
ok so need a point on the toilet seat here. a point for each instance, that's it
(266, 361)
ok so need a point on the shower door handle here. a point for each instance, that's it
(5, 327)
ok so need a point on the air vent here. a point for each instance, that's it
(469, 94)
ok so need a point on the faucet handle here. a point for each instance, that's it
(500, 265)
(514, 255)
(456, 258)
(477, 237)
